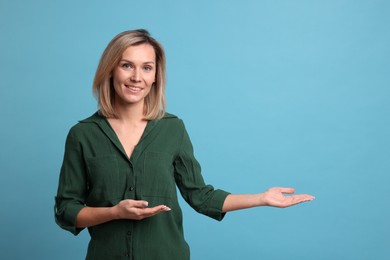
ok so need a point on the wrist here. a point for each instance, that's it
(114, 212)
(261, 199)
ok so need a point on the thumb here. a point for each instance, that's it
(140, 203)
(284, 190)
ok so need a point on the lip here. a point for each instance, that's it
(134, 89)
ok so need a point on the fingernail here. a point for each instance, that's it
(146, 203)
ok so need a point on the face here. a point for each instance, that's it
(134, 75)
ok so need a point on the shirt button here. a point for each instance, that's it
(129, 233)
(131, 188)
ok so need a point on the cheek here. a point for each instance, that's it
(117, 77)
(151, 80)
(116, 82)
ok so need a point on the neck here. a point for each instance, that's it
(130, 113)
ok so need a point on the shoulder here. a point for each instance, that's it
(87, 124)
(95, 118)
(170, 116)
(169, 124)
(171, 119)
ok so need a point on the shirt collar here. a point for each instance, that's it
(103, 124)
(99, 118)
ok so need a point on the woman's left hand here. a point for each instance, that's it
(276, 197)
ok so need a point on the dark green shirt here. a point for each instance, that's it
(96, 172)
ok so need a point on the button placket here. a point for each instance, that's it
(130, 181)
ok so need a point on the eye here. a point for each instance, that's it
(126, 65)
(148, 68)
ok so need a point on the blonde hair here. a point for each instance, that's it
(155, 104)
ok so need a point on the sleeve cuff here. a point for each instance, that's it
(66, 219)
(215, 204)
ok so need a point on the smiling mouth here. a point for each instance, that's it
(133, 88)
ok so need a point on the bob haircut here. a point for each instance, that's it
(155, 103)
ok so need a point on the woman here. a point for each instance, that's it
(122, 165)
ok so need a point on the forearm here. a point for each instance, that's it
(242, 201)
(90, 216)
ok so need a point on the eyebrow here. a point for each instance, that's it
(147, 62)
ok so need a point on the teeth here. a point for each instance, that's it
(133, 88)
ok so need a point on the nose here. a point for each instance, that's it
(136, 77)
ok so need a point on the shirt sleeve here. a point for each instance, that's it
(201, 197)
(72, 186)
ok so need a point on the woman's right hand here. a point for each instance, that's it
(126, 209)
(136, 209)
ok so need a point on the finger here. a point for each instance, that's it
(300, 198)
(139, 203)
(148, 212)
(160, 208)
(306, 197)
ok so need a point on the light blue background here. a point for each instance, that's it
(289, 93)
